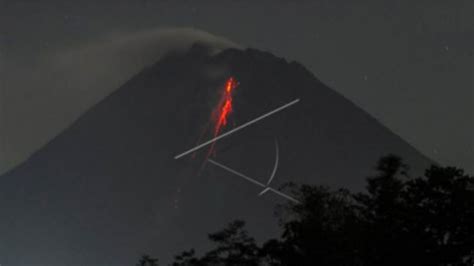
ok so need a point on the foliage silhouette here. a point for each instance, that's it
(146, 260)
(398, 220)
(233, 247)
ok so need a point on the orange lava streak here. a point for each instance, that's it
(225, 106)
(223, 110)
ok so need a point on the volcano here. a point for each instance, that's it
(109, 188)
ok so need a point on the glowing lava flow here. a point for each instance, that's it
(225, 106)
(223, 110)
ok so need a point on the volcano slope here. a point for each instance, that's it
(109, 188)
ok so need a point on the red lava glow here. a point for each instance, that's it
(224, 108)
(220, 114)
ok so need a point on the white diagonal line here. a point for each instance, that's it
(236, 173)
(236, 129)
(264, 191)
(284, 195)
(253, 181)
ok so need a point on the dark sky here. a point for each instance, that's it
(408, 63)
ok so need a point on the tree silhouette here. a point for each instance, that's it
(398, 220)
(319, 232)
(188, 258)
(440, 215)
(382, 211)
(146, 260)
(428, 220)
(233, 247)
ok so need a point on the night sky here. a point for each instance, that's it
(408, 63)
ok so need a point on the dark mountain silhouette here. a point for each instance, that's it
(108, 188)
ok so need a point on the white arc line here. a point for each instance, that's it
(275, 167)
(253, 181)
(237, 129)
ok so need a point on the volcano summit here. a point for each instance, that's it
(108, 188)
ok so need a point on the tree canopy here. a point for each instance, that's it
(398, 220)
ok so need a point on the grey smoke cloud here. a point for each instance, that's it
(60, 86)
